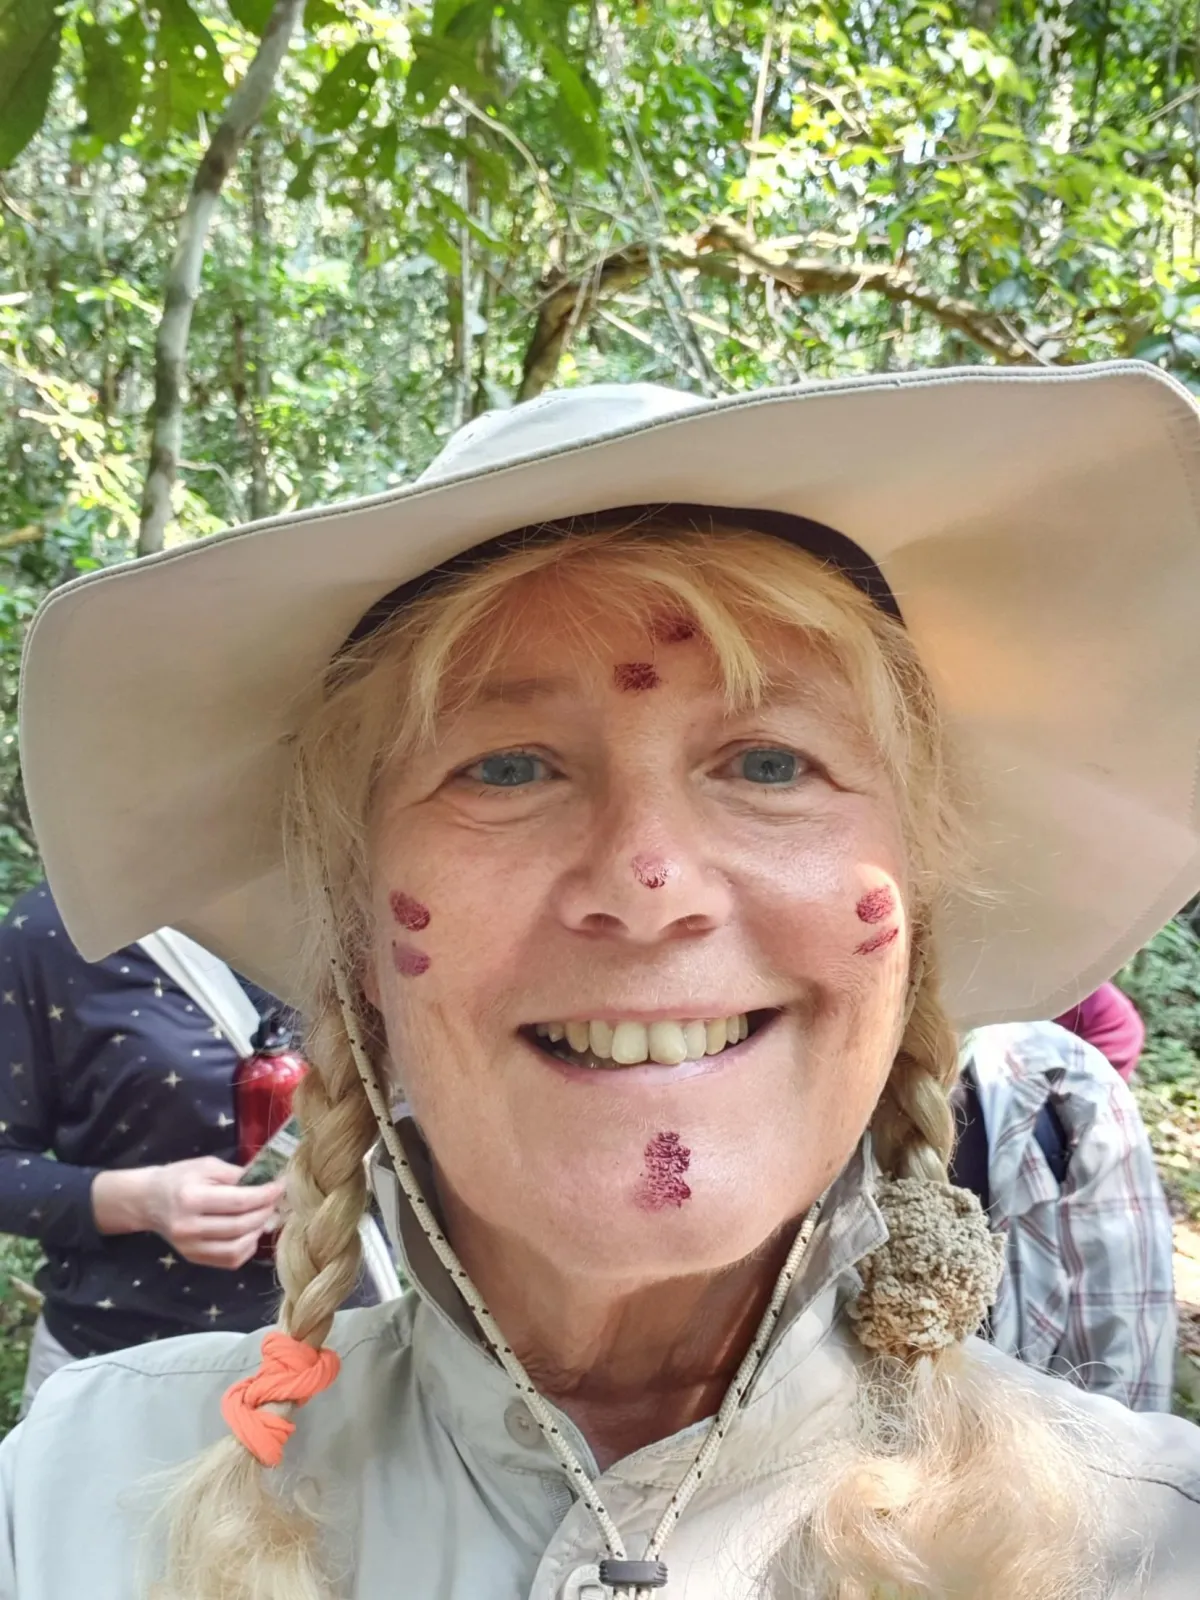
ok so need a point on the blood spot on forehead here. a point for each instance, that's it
(876, 904)
(878, 941)
(652, 872)
(672, 628)
(408, 962)
(666, 1158)
(634, 676)
(409, 913)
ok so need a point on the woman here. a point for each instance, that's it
(628, 852)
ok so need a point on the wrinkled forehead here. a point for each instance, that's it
(560, 637)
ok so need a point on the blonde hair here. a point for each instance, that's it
(937, 1462)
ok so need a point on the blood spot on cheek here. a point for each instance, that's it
(653, 873)
(634, 676)
(878, 941)
(408, 962)
(876, 904)
(667, 1158)
(409, 913)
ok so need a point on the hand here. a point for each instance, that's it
(195, 1205)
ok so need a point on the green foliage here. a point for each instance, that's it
(19, 1261)
(345, 90)
(1164, 982)
(30, 39)
(187, 75)
(113, 63)
(252, 14)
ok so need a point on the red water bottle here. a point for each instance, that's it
(264, 1084)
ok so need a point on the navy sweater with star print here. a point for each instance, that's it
(109, 1064)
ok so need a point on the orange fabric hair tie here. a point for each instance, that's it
(290, 1370)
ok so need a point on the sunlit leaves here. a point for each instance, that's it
(579, 111)
(345, 89)
(187, 77)
(114, 62)
(30, 40)
(252, 14)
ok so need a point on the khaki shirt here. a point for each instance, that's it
(438, 1484)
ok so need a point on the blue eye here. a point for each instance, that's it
(511, 769)
(768, 766)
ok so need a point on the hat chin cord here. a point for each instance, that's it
(628, 1579)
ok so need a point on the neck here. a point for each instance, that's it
(628, 1363)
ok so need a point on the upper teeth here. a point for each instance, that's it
(668, 1043)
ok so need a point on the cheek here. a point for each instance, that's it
(832, 912)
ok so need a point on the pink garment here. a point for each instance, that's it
(1109, 1020)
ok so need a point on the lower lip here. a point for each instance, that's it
(650, 1074)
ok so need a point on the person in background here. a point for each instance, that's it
(1109, 1020)
(119, 1134)
(1052, 1142)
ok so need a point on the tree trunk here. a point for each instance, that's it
(245, 107)
(260, 257)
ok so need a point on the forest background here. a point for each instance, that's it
(258, 254)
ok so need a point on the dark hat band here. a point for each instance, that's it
(826, 544)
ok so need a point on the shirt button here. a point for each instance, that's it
(521, 1426)
(584, 1584)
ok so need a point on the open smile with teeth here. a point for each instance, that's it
(629, 1044)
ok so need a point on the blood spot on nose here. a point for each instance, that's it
(876, 904)
(653, 873)
(409, 913)
(666, 1158)
(408, 962)
(634, 676)
(878, 941)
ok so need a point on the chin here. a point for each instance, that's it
(646, 1231)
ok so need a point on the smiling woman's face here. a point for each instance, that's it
(598, 862)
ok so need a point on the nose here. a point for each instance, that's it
(645, 876)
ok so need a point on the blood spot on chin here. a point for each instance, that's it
(652, 873)
(878, 941)
(634, 676)
(408, 962)
(672, 628)
(409, 913)
(667, 1158)
(876, 904)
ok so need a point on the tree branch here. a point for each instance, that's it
(245, 107)
(32, 533)
(723, 250)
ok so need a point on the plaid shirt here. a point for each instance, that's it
(1088, 1290)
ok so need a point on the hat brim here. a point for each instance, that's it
(1040, 530)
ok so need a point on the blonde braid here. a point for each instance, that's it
(913, 1126)
(230, 1535)
(319, 1253)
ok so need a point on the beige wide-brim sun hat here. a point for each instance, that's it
(1040, 530)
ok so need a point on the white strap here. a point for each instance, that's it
(213, 987)
(209, 982)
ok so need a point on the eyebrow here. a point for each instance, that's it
(521, 691)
